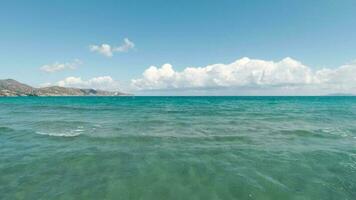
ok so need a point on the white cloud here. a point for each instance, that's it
(126, 46)
(101, 82)
(287, 74)
(56, 67)
(107, 50)
(103, 49)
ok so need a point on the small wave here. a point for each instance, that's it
(337, 132)
(60, 128)
(67, 134)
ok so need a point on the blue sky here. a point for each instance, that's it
(319, 34)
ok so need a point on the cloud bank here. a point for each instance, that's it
(57, 67)
(101, 83)
(108, 50)
(284, 75)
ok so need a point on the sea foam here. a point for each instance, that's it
(73, 133)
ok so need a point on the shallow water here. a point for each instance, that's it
(178, 148)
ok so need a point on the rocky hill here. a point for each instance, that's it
(10, 87)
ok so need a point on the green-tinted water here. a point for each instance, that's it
(178, 148)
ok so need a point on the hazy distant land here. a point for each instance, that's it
(10, 87)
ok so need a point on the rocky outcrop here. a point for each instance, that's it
(10, 87)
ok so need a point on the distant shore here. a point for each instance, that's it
(10, 87)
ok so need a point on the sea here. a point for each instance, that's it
(209, 148)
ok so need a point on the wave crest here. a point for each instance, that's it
(73, 133)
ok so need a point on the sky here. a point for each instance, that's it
(164, 47)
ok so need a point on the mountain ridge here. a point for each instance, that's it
(11, 87)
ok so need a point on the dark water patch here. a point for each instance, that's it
(6, 129)
(60, 123)
(308, 134)
(76, 108)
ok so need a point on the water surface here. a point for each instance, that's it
(178, 148)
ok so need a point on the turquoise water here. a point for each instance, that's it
(178, 148)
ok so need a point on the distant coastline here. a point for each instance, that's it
(13, 88)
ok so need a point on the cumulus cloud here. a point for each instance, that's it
(101, 83)
(108, 50)
(56, 67)
(251, 73)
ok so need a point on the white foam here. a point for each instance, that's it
(67, 134)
